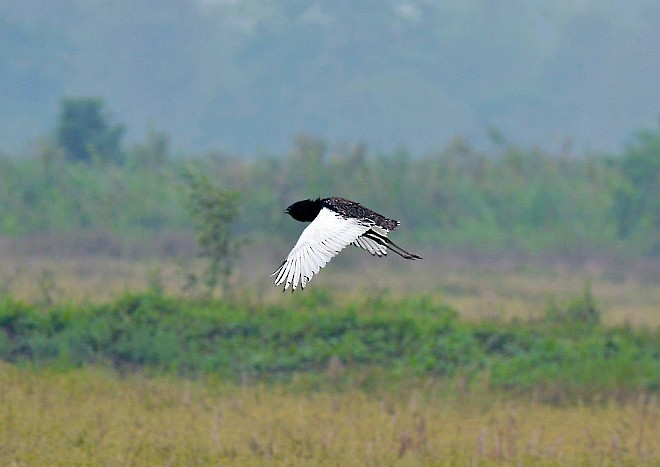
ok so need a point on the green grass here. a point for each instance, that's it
(565, 356)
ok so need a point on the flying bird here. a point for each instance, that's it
(335, 223)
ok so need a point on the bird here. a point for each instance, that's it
(335, 223)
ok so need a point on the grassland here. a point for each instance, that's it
(528, 335)
(93, 417)
(318, 378)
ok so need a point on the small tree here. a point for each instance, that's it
(213, 210)
(85, 133)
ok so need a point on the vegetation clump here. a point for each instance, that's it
(580, 311)
(411, 337)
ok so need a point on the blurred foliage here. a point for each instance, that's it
(510, 198)
(85, 133)
(406, 337)
(580, 311)
(637, 198)
(47, 193)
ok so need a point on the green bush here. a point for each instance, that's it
(410, 337)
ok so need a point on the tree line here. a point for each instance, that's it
(505, 198)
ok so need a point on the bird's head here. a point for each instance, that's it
(305, 210)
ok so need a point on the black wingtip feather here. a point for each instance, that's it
(383, 240)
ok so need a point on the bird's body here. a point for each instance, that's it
(335, 223)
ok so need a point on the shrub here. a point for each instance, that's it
(405, 338)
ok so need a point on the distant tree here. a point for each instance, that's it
(85, 133)
(213, 210)
(637, 201)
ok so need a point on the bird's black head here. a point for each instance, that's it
(305, 210)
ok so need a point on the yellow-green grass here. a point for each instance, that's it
(95, 417)
(496, 290)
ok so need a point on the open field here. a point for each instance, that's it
(90, 416)
(478, 287)
(321, 385)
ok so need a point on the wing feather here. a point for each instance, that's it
(280, 272)
(374, 240)
(326, 236)
(305, 270)
(298, 274)
(373, 247)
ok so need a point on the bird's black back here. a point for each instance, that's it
(351, 209)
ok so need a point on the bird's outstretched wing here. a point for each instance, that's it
(327, 235)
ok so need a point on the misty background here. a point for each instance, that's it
(246, 76)
(513, 128)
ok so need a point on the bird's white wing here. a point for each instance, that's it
(326, 236)
(372, 244)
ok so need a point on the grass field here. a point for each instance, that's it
(94, 417)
